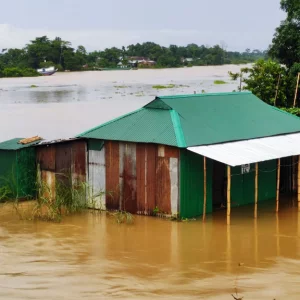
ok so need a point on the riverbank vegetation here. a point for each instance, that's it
(275, 80)
(43, 52)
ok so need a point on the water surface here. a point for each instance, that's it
(66, 104)
(89, 256)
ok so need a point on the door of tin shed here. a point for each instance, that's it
(96, 174)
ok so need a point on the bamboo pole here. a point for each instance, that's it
(296, 91)
(228, 194)
(256, 191)
(205, 189)
(277, 186)
(277, 87)
(298, 179)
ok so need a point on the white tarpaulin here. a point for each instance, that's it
(252, 151)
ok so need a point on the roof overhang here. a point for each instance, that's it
(252, 151)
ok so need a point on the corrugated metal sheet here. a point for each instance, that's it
(63, 162)
(96, 162)
(128, 201)
(112, 175)
(26, 172)
(163, 184)
(251, 151)
(78, 168)
(141, 177)
(193, 120)
(146, 182)
(46, 157)
(145, 125)
(192, 185)
(13, 144)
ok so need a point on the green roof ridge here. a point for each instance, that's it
(109, 122)
(203, 95)
(178, 129)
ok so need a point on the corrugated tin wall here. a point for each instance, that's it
(26, 173)
(62, 162)
(18, 172)
(192, 184)
(96, 174)
(141, 177)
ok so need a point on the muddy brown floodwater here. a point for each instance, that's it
(89, 256)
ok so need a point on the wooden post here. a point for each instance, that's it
(277, 88)
(228, 194)
(296, 91)
(205, 189)
(277, 187)
(298, 179)
(256, 191)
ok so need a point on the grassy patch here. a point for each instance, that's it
(219, 82)
(160, 87)
(169, 86)
(33, 86)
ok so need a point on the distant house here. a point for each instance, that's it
(189, 155)
(141, 61)
(187, 59)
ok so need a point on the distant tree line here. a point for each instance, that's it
(43, 52)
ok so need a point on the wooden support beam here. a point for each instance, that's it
(296, 91)
(228, 194)
(204, 188)
(256, 191)
(298, 179)
(277, 186)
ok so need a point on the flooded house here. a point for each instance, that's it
(61, 163)
(189, 155)
(18, 168)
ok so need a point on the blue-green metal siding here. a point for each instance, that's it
(192, 185)
(243, 185)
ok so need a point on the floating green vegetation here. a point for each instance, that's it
(122, 217)
(141, 94)
(33, 86)
(170, 86)
(121, 86)
(219, 82)
(160, 87)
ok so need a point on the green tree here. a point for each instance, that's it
(285, 45)
(262, 80)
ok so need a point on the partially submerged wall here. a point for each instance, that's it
(139, 178)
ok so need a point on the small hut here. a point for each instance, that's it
(193, 154)
(61, 163)
(18, 168)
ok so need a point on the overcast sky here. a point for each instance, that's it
(98, 24)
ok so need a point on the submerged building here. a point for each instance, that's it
(187, 155)
(18, 168)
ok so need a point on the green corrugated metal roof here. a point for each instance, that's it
(144, 125)
(13, 144)
(193, 120)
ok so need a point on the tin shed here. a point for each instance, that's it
(61, 161)
(179, 154)
(17, 167)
